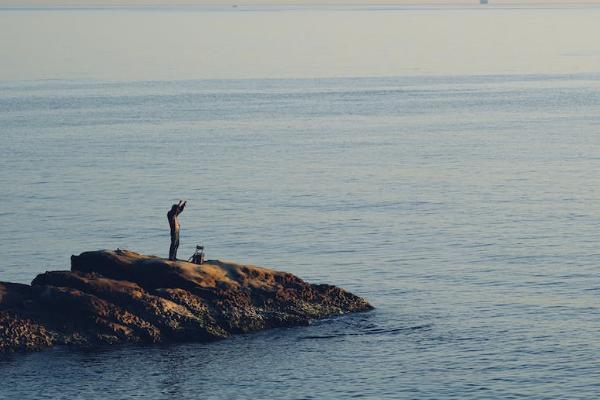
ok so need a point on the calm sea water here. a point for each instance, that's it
(465, 208)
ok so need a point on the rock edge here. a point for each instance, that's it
(121, 296)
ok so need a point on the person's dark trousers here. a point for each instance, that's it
(174, 246)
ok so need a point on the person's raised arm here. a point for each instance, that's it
(181, 207)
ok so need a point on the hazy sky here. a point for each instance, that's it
(196, 43)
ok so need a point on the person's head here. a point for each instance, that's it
(174, 207)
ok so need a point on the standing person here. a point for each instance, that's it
(176, 209)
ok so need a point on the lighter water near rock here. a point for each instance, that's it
(464, 208)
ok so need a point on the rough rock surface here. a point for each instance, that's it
(121, 296)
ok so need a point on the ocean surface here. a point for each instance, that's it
(464, 207)
(467, 210)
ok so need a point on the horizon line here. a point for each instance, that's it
(257, 3)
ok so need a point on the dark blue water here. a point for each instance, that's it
(466, 209)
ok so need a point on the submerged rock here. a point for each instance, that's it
(121, 296)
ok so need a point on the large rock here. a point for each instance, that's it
(121, 296)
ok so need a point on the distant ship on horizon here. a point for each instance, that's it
(483, 1)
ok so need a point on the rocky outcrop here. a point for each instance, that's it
(121, 296)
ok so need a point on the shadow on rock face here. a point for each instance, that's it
(121, 296)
